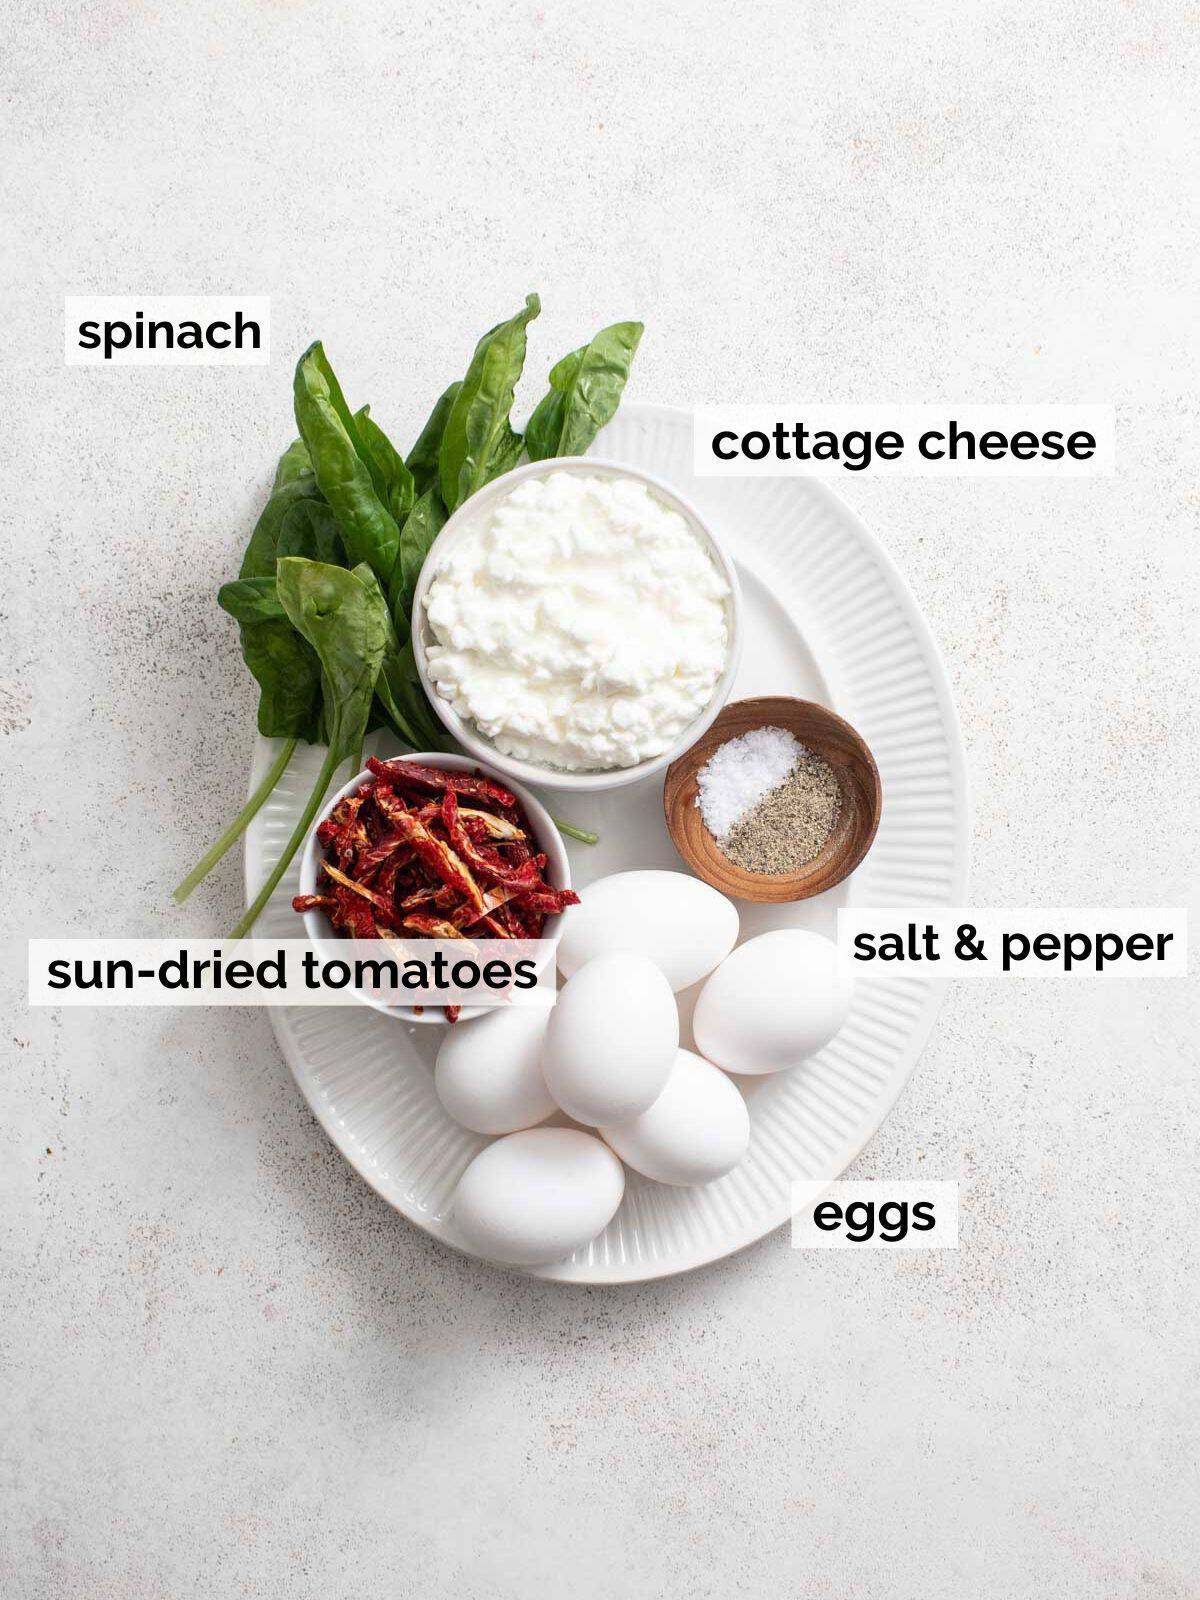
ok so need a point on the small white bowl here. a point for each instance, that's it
(467, 734)
(325, 936)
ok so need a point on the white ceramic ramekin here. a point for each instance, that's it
(469, 736)
(322, 932)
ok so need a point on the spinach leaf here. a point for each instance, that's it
(425, 521)
(415, 703)
(369, 531)
(510, 447)
(251, 600)
(423, 457)
(545, 426)
(284, 667)
(332, 610)
(398, 688)
(585, 391)
(294, 465)
(295, 483)
(399, 493)
(289, 679)
(478, 417)
(315, 355)
(310, 529)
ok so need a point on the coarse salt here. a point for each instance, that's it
(741, 771)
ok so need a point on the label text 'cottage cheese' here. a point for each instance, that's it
(579, 623)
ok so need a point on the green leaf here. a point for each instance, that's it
(251, 600)
(415, 701)
(399, 492)
(398, 689)
(423, 457)
(425, 522)
(289, 677)
(310, 529)
(510, 447)
(478, 419)
(295, 482)
(294, 466)
(585, 391)
(339, 618)
(315, 354)
(546, 424)
(283, 666)
(368, 529)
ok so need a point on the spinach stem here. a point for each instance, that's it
(572, 832)
(328, 768)
(238, 826)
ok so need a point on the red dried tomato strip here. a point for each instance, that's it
(345, 811)
(385, 883)
(434, 927)
(467, 916)
(354, 915)
(452, 1013)
(390, 805)
(359, 889)
(548, 901)
(487, 863)
(493, 826)
(313, 902)
(380, 854)
(351, 837)
(439, 857)
(413, 772)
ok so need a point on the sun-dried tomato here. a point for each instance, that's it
(353, 916)
(548, 901)
(490, 825)
(423, 777)
(360, 889)
(440, 858)
(312, 902)
(486, 862)
(466, 916)
(379, 854)
(402, 853)
(433, 927)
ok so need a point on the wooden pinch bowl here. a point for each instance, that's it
(824, 733)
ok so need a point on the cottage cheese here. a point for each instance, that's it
(579, 623)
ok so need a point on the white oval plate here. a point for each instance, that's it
(826, 616)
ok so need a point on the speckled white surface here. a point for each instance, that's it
(233, 1370)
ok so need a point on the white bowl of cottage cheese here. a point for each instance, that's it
(576, 624)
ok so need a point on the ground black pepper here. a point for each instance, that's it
(789, 825)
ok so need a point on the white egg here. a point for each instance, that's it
(683, 925)
(773, 1001)
(611, 1039)
(697, 1130)
(489, 1071)
(537, 1196)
